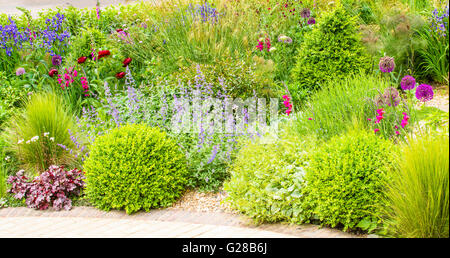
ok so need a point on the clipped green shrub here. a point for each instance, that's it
(418, 195)
(345, 182)
(33, 134)
(331, 51)
(134, 167)
(333, 108)
(267, 177)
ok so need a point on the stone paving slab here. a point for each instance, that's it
(91, 222)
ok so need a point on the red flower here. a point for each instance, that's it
(103, 53)
(119, 30)
(120, 75)
(52, 72)
(126, 62)
(82, 59)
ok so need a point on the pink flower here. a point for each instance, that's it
(268, 44)
(376, 130)
(404, 123)
(397, 132)
(380, 111)
(369, 119)
(260, 45)
(310, 118)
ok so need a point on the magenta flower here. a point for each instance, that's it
(408, 83)
(387, 64)
(376, 130)
(260, 45)
(424, 92)
(311, 21)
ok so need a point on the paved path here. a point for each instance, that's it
(91, 222)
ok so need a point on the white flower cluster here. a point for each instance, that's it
(36, 138)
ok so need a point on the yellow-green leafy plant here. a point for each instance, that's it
(134, 167)
(267, 178)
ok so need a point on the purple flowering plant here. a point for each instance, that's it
(207, 148)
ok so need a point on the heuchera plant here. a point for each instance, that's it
(51, 188)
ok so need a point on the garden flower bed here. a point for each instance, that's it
(330, 113)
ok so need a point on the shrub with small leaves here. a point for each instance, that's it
(331, 51)
(345, 183)
(134, 167)
(51, 188)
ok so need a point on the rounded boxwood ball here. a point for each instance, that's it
(134, 167)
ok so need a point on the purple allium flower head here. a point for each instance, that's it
(305, 13)
(20, 71)
(408, 82)
(56, 60)
(387, 64)
(311, 21)
(391, 96)
(424, 92)
(284, 39)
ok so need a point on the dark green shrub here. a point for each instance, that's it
(345, 183)
(331, 51)
(134, 167)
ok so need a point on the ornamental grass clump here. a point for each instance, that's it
(134, 167)
(33, 134)
(418, 196)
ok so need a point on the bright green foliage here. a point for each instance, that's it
(242, 79)
(266, 179)
(33, 134)
(419, 193)
(331, 51)
(338, 104)
(134, 167)
(346, 180)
